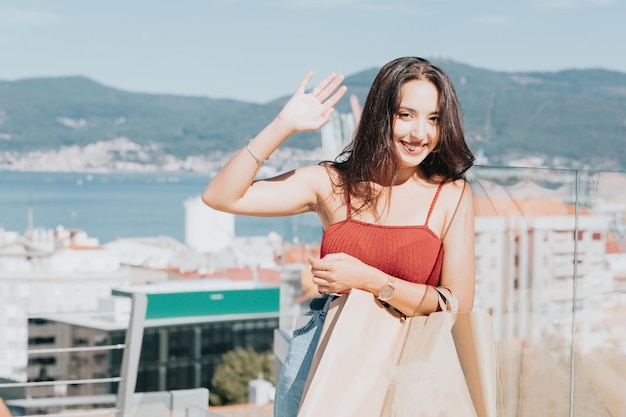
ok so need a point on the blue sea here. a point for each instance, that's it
(111, 206)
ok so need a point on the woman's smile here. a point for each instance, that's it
(413, 147)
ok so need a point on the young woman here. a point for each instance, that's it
(396, 210)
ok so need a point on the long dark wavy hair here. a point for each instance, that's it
(371, 157)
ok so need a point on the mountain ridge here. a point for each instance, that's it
(569, 118)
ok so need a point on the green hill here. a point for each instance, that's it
(578, 115)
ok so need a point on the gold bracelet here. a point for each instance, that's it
(259, 161)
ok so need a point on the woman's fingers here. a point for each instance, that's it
(334, 99)
(327, 87)
(310, 111)
(317, 265)
(305, 81)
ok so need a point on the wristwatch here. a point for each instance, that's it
(386, 291)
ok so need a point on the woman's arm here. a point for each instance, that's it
(233, 188)
(459, 262)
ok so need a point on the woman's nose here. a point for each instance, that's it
(419, 129)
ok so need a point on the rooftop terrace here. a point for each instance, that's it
(551, 269)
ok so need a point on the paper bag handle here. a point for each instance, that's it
(447, 300)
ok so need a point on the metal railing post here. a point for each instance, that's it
(130, 358)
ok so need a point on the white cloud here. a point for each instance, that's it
(25, 17)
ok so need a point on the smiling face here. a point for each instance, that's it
(416, 123)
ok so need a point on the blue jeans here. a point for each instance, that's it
(298, 360)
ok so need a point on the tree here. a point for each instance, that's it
(238, 368)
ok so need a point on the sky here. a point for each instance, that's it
(259, 50)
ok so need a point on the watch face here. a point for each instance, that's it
(385, 293)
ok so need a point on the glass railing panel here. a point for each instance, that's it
(551, 269)
(599, 341)
(526, 254)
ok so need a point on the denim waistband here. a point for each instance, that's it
(319, 302)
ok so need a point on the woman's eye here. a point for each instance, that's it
(404, 115)
(434, 119)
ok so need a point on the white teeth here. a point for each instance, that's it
(412, 148)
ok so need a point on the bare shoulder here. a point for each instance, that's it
(319, 177)
(321, 180)
(330, 198)
(455, 193)
(456, 200)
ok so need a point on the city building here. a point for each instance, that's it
(50, 271)
(189, 325)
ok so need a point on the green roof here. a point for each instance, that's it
(172, 304)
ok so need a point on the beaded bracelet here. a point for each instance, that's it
(259, 161)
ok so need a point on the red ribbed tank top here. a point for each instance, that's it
(413, 253)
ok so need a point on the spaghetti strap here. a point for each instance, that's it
(432, 205)
(348, 206)
(458, 203)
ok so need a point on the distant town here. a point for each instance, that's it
(123, 155)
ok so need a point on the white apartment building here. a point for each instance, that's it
(44, 274)
(336, 134)
(525, 268)
(563, 247)
(495, 272)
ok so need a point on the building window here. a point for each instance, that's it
(180, 376)
(147, 379)
(43, 360)
(180, 343)
(41, 340)
(43, 376)
(150, 346)
(81, 342)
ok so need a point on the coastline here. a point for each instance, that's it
(121, 155)
(113, 205)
